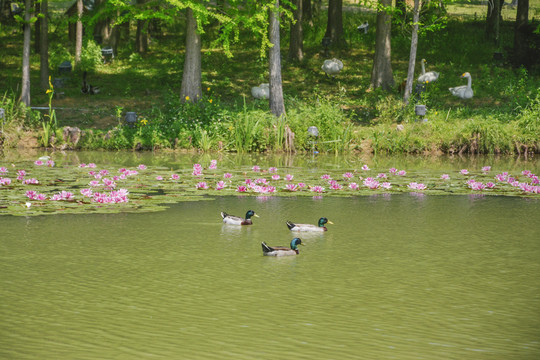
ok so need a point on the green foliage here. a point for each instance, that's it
(49, 123)
(57, 55)
(91, 56)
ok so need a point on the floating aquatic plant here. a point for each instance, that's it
(40, 189)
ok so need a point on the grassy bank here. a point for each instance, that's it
(503, 116)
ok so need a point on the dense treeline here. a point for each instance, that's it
(187, 71)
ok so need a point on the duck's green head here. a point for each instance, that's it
(295, 242)
(251, 213)
(323, 221)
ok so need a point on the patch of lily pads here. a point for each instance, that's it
(42, 187)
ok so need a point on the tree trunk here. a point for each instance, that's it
(412, 56)
(78, 32)
(277, 104)
(296, 47)
(141, 37)
(521, 33)
(44, 46)
(307, 13)
(382, 76)
(37, 26)
(334, 26)
(25, 89)
(191, 90)
(493, 20)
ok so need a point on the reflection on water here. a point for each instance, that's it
(396, 276)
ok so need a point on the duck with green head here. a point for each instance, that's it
(309, 227)
(237, 220)
(282, 250)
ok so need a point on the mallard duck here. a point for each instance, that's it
(236, 220)
(332, 67)
(429, 76)
(463, 91)
(282, 250)
(86, 88)
(309, 227)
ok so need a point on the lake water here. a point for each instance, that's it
(401, 276)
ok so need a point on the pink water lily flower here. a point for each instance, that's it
(402, 173)
(82, 165)
(336, 186)
(486, 169)
(348, 175)
(159, 177)
(272, 169)
(371, 183)
(175, 177)
(326, 177)
(31, 181)
(464, 171)
(201, 185)
(50, 163)
(276, 177)
(393, 171)
(416, 186)
(317, 189)
(91, 165)
(220, 185)
(289, 177)
(5, 181)
(256, 168)
(213, 165)
(38, 162)
(365, 167)
(241, 188)
(141, 167)
(291, 187)
(445, 176)
(301, 185)
(3, 170)
(227, 175)
(386, 185)
(381, 176)
(353, 186)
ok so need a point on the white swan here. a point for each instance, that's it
(427, 77)
(464, 91)
(332, 67)
(261, 92)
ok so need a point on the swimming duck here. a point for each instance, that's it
(236, 220)
(429, 76)
(463, 91)
(309, 227)
(282, 250)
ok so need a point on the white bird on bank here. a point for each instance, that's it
(261, 92)
(429, 76)
(332, 67)
(463, 91)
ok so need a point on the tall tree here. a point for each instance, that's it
(25, 89)
(381, 75)
(141, 36)
(79, 32)
(277, 104)
(191, 90)
(296, 46)
(412, 56)
(44, 45)
(521, 34)
(334, 26)
(493, 20)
